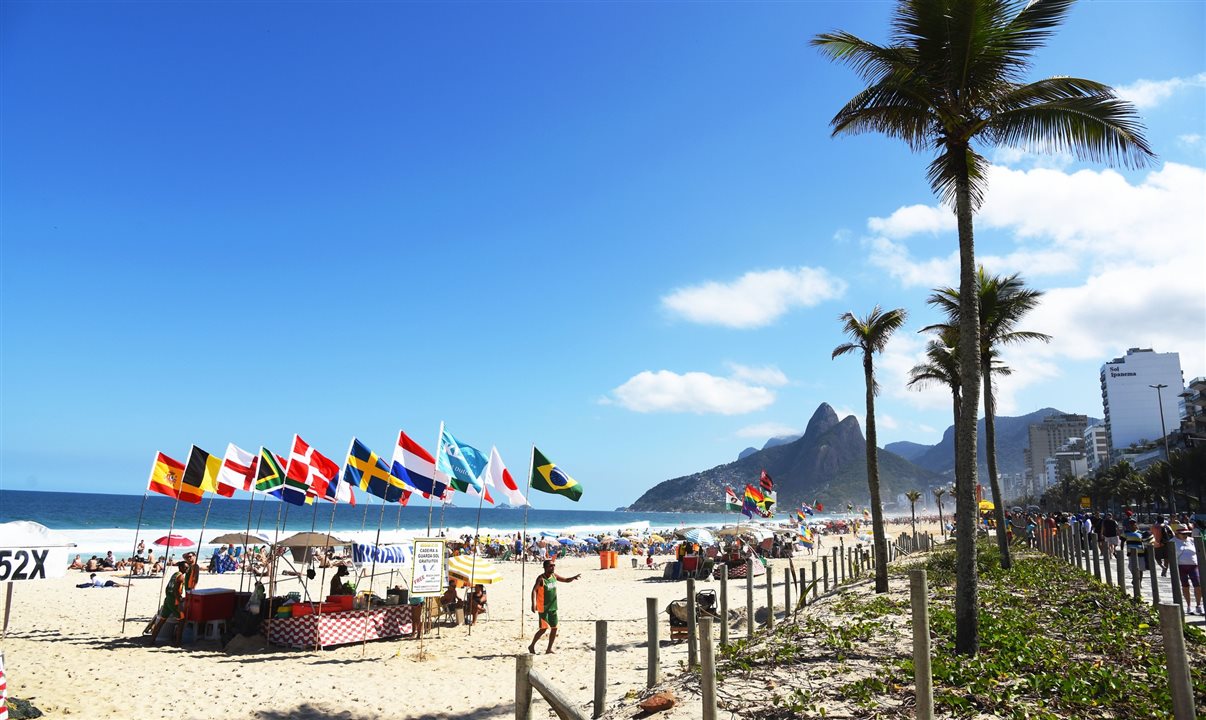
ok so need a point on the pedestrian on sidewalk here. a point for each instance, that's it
(1187, 565)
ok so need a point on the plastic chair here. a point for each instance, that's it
(690, 566)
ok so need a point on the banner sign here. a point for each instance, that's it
(428, 574)
(367, 554)
(33, 563)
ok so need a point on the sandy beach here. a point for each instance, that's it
(66, 652)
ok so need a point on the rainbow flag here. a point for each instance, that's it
(806, 538)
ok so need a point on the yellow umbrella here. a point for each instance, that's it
(987, 505)
(657, 538)
(481, 570)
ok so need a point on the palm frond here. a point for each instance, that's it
(872, 62)
(843, 349)
(946, 169)
(1097, 127)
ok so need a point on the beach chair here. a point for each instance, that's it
(690, 566)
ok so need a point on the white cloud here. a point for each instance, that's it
(1032, 157)
(694, 392)
(756, 299)
(1150, 93)
(768, 375)
(886, 422)
(1121, 259)
(767, 430)
(1190, 138)
(913, 219)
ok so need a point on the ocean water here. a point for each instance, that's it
(97, 523)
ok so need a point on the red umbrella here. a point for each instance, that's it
(174, 541)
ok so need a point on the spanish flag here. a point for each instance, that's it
(547, 477)
(165, 476)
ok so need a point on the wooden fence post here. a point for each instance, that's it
(707, 670)
(922, 678)
(1136, 579)
(770, 600)
(692, 619)
(1096, 558)
(1151, 568)
(1108, 561)
(653, 675)
(786, 594)
(1174, 572)
(600, 667)
(749, 599)
(825, 567)
(724, 605)
(1178, 664)
(815, 590)
(523, 687)
(1121, 560)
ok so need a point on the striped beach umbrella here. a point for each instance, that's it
(464, 567)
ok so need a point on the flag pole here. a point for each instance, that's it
(373, 574)
(204, 522)
(322, 582)
(171, 527)
(435, 467)
(276, 537)
(245, 558)
(481, 498)
(137, 530)
(523, 554)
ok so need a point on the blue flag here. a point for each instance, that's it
(463, 464)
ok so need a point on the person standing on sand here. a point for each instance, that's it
(173, 605)
(544, 604)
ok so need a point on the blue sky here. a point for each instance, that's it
(620, 231)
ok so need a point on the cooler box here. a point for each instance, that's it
(210, 604)
(341, 602)
(299, 609)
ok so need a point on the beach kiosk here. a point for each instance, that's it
(28, 552)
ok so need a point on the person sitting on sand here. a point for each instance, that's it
(76, 564)
(93, 565)
(477, 602)
(450, 600)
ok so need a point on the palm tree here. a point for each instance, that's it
(942, 367)
(951, 76)
(938, 493)
(870, 335)
(1003, 303)
(913, 496)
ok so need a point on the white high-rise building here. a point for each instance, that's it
(1097, 447)
(1132, 409)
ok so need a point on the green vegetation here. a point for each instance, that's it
(1054, 644)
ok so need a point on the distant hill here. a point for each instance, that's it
(773, 442)
(1013, 436)
(827, 463)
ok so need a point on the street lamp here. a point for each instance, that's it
(1172, 504)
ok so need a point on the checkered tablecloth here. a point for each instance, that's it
(341, 628)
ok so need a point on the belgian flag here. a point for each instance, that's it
(200, 474)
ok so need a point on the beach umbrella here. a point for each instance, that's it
(623, 541)
(241, 538)
(566, 541)
(311, 539)
(591, 541)
(703, 536)
(547, 534)
(657, 538)
(173, 541)
(987, 505)
(608, 538)
(464, 567)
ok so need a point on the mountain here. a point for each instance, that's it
(827, 463)
(773, 442)
(1013, 435)
(908, 450)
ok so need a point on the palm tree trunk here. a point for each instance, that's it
(967, 617)
(877, 511)
(990, 449)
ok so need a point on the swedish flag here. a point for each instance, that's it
(368, 472)
(547, 477)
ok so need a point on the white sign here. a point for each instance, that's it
(428, 574)
(18, 564)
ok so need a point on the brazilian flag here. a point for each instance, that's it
(547, 477)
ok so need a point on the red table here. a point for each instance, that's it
(341, 628)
